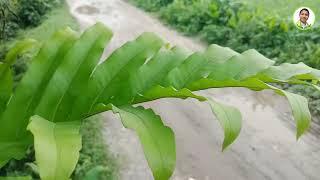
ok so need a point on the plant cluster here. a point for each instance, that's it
(152, 5)
(20, 14)
(30, 13)
(65, 84)
(94, 157)
(235, 25)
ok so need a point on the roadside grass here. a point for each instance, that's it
(94, 152)
(283, 8)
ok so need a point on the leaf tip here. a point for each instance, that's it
(223, 148)
(302, 131)
(225, 145)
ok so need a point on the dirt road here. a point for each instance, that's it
(265, 149)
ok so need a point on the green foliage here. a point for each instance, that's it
(94, 160)
(243, 25)
(30, 12)
(232, 24)
(230, 119)
(94, 152)
(151, 5)
(55, 139)
(41, 33)
(20, 14)
(95, 173)
(8, 18)
(94, 157)
(313, 97)
(191, 17)
(16, 178)
(157, 140)
(10, 30)
(17, 168)
(181, 15)
(5, 73)
(236, 25)
(64, 84)
(283, 8)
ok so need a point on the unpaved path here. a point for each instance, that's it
(265, 149)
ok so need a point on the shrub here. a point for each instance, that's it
(22, 14)
(189, 18)
(151, 5)
(23, 167)
(8, 20)
(234, 25)
(216, 34)
(10, 30)
(30, 12)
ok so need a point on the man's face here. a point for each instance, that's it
(304, 15)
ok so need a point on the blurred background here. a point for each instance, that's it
(266, 147)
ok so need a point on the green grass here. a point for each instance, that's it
(55, 20)
(94, 152)
(58, 18)
(283, 8)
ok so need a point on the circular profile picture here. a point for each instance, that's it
(304, 18)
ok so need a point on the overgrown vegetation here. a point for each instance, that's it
(50, 23)
(21, 14)
(243, 26)
(94, 153)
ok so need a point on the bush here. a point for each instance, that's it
(302, 47)
(264, 35)
(21, 14)
(215, 34)
(10, 30)
(8, 20)
(189, 19)
(151, 5)
(30, 12)
(23, 167)
(231, 24)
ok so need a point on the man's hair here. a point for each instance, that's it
(304, 9)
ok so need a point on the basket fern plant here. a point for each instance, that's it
(65, 84)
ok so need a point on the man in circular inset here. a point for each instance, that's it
(304, 16)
